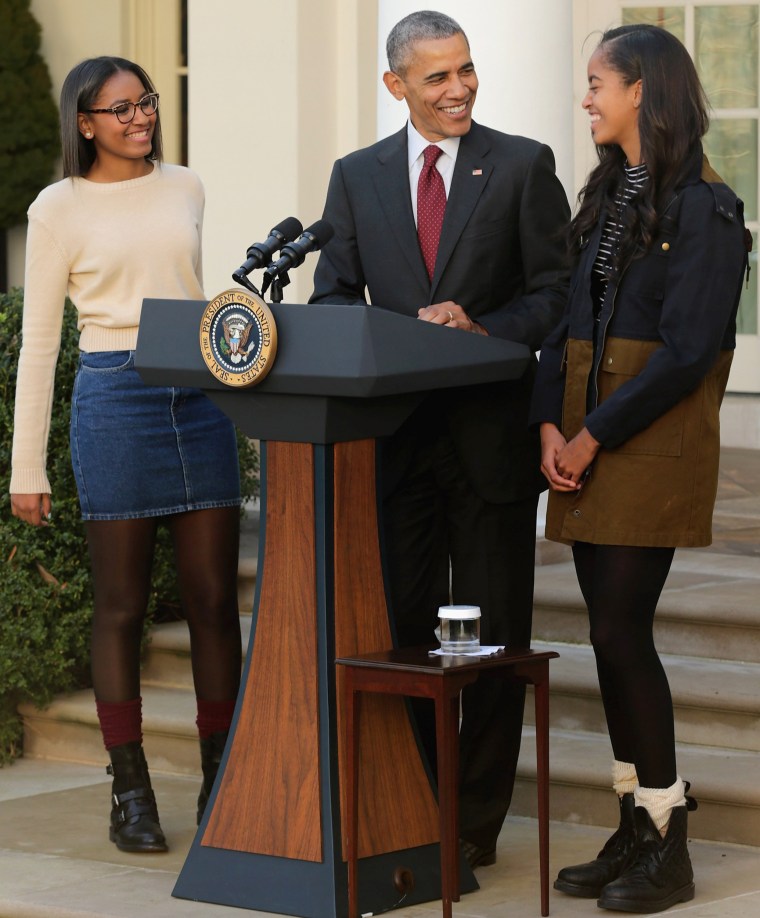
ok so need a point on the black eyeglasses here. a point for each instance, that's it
(126, 111)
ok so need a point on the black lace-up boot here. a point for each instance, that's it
(588, 880)
(660, 874)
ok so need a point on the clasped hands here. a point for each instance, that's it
(566, 465)
(450, 314)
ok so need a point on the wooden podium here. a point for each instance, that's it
(273, 837)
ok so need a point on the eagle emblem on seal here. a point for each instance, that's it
(237, 329)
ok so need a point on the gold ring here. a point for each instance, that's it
(451, 315)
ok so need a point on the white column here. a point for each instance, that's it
(242, 137)
(523, 57)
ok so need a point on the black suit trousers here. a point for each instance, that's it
(443, 543)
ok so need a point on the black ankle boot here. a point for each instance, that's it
(212, 748)
(660, 874)
(588, 880)
(134, 815)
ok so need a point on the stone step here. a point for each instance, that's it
(167, 661)
(716, 702)
(707, 628)
(68, 731)
(709, 607)
(724, 781)
(246, 583)
(248, 561)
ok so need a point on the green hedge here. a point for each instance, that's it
(29, 144)
(45, 590)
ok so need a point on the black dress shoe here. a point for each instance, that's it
(477, 856)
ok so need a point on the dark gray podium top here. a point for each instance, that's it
(341, 372)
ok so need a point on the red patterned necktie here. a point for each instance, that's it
(431, 204)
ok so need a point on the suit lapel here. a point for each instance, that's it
(392, 186)
(471, 174)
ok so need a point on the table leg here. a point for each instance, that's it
(447, 747)
(541, 691)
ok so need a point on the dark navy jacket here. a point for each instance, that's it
(683, 294)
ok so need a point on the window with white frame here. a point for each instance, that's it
(723, 39)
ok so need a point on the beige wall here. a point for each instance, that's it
(272, 108)
(75, 29)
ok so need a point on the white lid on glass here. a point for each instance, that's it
(459, 612)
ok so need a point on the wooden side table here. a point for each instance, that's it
(412, 671)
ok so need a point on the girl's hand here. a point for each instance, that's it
(32, 508)
(552, 444)
(573, 463)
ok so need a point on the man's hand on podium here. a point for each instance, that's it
(450, 314)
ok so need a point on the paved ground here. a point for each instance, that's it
(736, 523)
(56, 860)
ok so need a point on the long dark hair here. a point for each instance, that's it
(672, 120)
(79, 92)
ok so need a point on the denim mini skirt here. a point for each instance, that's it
(140, 450)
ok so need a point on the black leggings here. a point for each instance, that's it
(205, 546)
(621, 586)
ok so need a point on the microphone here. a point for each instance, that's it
(293, 254)
(260, 253)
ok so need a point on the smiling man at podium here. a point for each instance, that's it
(463, 226)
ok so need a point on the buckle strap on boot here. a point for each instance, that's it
(134, 824)
(132, 804)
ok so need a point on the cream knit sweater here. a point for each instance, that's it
(108, 246)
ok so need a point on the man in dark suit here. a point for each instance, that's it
(460, 480)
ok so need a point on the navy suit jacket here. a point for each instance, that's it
(501, 257)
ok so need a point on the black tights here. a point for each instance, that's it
(621, 586)
(206, 554)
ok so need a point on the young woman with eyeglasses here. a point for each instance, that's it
(122, 225)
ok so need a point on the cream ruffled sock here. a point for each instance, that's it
(659, 801)
(624, 779)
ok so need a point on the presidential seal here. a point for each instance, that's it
(238, 338)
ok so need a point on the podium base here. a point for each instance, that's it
(308, 890)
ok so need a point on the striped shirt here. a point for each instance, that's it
(612, 232)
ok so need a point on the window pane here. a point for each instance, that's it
(746, 320)
(667, 17)
(731, 145)
(726, 48)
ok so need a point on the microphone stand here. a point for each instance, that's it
(244, 282)
(275, 284)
